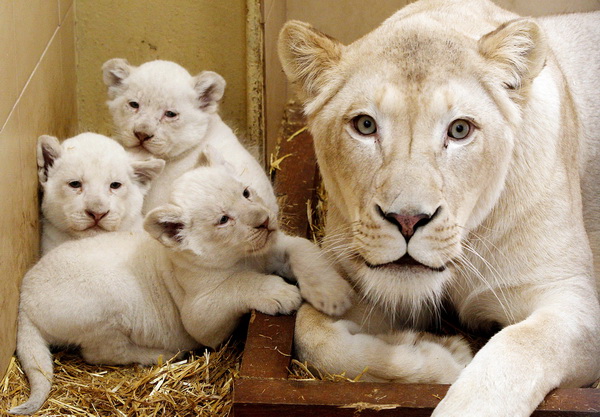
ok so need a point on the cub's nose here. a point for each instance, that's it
(96, 216)
(407, 223)
(263, 225)
(142, 136)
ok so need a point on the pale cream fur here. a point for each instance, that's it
(508, 230)
(132, 297)
(159, 87)
(90, 185)
(175, 116)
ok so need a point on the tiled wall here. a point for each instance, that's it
(37, 96)
(197, 34)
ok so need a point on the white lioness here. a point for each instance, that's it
(131, 297)
(455, 141)
(159, 109)
(90, 185)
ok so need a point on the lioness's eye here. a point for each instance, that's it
(170, 114)
(459, 129)
(223, 219)
(365, 125)
(134, 104)
(75, 184)
(115, 185)
(246, 193)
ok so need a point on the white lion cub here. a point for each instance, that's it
(90, 185)
(159, 109)
(132, 297)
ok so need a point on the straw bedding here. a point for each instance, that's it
(200, 385)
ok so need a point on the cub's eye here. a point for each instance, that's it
(365, 125)
(134, 104)
(170, 114)
(246, 193)
(75, 184)
(460, 129)
(115, 185)
(223, 219)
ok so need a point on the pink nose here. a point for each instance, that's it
(407, 223)
(96, 216)
(264, 225)
(142, 136)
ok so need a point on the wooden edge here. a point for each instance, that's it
(255, 78)
(296, 174)
(290, 398)
(268, 348)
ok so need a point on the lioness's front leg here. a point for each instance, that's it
(342, 346)
(513, 372)
(212, 314)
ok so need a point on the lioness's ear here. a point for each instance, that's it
(165, 224)
(210, 88)
(308, 58)
(518, 49)
(48, 151)
(145, 171)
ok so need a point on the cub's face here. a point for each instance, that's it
(414, 128)
(158, 107)
(90, 184)
(213, 216)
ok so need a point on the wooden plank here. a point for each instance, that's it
(268, 349)
(261, 397)
(296, 180)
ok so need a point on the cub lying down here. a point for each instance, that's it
(159, 109)
(131, 297)
(90, 186)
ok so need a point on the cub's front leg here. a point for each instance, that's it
(211, 314)
(320, 284)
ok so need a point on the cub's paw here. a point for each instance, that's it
(331, 294)
(460, 349)
(277, 297)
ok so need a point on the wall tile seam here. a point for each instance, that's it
(31, 75)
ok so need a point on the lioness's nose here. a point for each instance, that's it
(407, 223)
(142, 136)
(96, 216)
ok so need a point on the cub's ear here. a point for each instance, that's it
(518, 50)
(210, 157)
(145, 171)
(309, 59)
(48, 151)
(210, 88)
(114, 71)
(165, 224)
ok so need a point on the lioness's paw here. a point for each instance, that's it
(330, 295)
(277, 297)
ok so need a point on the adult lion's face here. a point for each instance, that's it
(414, 130)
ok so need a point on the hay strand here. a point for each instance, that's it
(200, 385)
